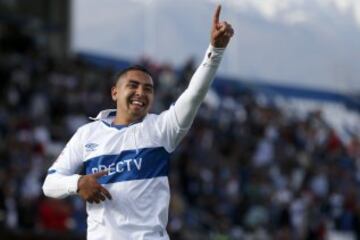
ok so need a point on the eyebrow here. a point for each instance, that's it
(146, 84)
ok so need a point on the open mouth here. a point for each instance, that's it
(137, 103)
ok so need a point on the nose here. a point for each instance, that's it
(140, 91)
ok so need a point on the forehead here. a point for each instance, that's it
(136, 75)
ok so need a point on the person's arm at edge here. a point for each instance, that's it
(57, 185)
(62, 180)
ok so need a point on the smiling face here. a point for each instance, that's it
(134, 95)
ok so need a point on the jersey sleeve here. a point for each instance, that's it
(62, 179)
(174, 123)
(168, 131)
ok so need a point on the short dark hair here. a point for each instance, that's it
(119, 74)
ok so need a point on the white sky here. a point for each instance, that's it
(311, 43)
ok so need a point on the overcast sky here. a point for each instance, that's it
(311, 43)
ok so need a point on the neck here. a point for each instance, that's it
(121, 119)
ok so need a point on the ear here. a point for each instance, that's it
(114, 93)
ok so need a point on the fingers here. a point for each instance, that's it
(229, 31)
(100, 174)
(229, 34)
(96, 197)
(99, 195)
(216, 15)
(90, 190)
(225, 29)
(105, 192)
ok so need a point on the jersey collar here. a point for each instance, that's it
(107, 116)
(104, 114)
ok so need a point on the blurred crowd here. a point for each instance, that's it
(246, 170)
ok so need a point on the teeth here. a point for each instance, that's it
(138, 103)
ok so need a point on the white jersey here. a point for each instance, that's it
(137, 160)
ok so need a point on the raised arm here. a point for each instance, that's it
(172, 125)
(188, 103)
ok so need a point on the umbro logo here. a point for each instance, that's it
(90, 147)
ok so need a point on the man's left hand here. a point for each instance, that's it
(221, 32)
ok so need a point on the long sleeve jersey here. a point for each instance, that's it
(136, 158)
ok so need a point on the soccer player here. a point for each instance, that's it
(125, 151)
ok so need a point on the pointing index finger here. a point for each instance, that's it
(100, 174)
(217, 15)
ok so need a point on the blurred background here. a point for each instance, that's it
(274, 152)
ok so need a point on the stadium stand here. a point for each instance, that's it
(257, 164)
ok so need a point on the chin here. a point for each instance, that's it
(137, 115)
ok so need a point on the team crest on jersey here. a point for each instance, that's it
(90, 147)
